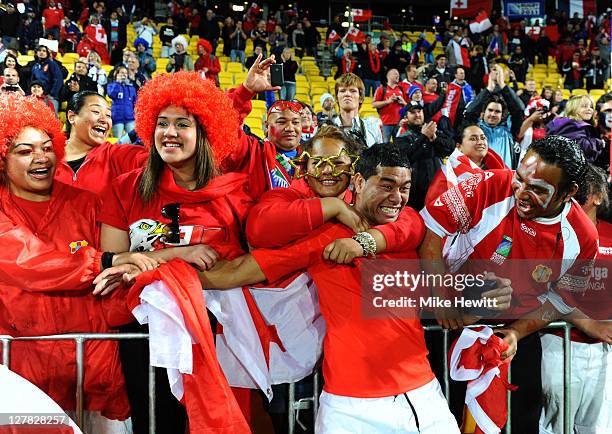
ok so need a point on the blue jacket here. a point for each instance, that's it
(50, 75)
(124, 98)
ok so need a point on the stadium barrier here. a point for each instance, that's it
(295, 406)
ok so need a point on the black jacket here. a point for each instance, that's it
(425, 158)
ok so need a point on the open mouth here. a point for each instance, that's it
(524, 207)
(99, 131)
(41, 173)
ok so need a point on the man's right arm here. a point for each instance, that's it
(272, 264)
(473, 110)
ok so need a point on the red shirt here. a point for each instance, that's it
(254, 157)
(45, 288)
(213, 65)
(364, 358)
(53, 17)
(102, 165)
(212, 215)
(390, 114)
(297, 210)
(480, 217)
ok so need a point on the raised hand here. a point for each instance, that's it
(258, 77)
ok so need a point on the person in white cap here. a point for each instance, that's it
(327, 104)
(180, 60)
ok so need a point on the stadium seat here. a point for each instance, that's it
(259, 104)
(227, 77)
(579, 92)
(234, 67)
(253, 122)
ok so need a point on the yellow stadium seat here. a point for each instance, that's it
(257, 103)
(258, 112)
(239, 77)
(579, 92)
(234, 67)
(258, 132)
(253, 122)
(596, 93)
(226, 76)
(23, 60)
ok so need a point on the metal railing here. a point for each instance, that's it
(294, 406)
(80, 339)
(307, 403)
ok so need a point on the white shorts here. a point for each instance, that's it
(591, 383)
(391, 414)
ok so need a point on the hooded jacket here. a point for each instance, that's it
(582, 132)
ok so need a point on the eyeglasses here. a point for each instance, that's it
(280, 106)
(172, 231)
(334, 161)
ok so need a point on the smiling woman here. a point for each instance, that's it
(49, 235)
(92, 162)
(178, 206)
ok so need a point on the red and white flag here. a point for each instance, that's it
(360, 15)
(475, 357)
(333, 36)
(170, 299)
(469, 8)
(283, 348)
(481, 23)
(355, 35)
(582, 7)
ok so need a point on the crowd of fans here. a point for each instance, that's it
(449, 105)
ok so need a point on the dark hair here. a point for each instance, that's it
(567, 155)
(204, 170)
(496, 99)
(595, 182)
(458, 67)
(606, 97)
(76, 103)
(381, 155)
(461, 130)
(352, 145)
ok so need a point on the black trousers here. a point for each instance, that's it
(526, 374)
(170, 415)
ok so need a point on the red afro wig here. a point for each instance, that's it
(200, 97)
(204, 43)
(18, 112)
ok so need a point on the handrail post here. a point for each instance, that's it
(509, 399)
(152, 427)
(6, 352)
(80, 370)
(315, 397)
(445, 364)
(567, 378)
(291, 399)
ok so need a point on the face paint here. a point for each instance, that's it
(530, 167)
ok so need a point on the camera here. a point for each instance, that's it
(475, 292)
